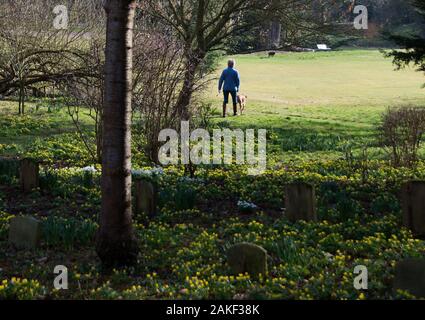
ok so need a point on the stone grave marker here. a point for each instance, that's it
(247, 257)
(413, 205)
(410, 277)
(24, 232)
(29, 173)
(145, 198)
(300, 202)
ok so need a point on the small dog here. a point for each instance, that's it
(242, 101)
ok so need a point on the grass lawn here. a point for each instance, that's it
(320, 102)
(352, 78)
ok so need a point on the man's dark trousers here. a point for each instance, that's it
(226, 101)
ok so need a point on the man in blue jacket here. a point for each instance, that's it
(231, 80)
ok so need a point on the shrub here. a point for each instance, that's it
(401, 134)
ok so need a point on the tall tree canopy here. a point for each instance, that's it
(412, 43)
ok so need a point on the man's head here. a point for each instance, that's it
(231, 63)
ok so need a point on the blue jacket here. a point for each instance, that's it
(231, 80)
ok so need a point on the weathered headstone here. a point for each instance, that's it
(247, 257)
(145, 198)
(25, 232)
(410, 277)
(300, 202)
(29, 173)
(413, 204)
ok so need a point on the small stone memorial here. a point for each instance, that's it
(24, 232)
(300, 202)
(413, 205)
(29, 173)
(247, 257)
(410, 277)
(145, 198)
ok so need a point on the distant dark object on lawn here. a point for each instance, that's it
(272, 54)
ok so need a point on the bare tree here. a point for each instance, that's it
(33, 52)
(116, 244)
(202, 26)
(86, 95)
(158, 76)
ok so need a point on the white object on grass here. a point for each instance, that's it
(323, 47)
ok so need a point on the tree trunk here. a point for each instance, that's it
(19, 103)
(185, 96)
(275, 35)
(23, 99)
(20, 100)
(116, 244)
